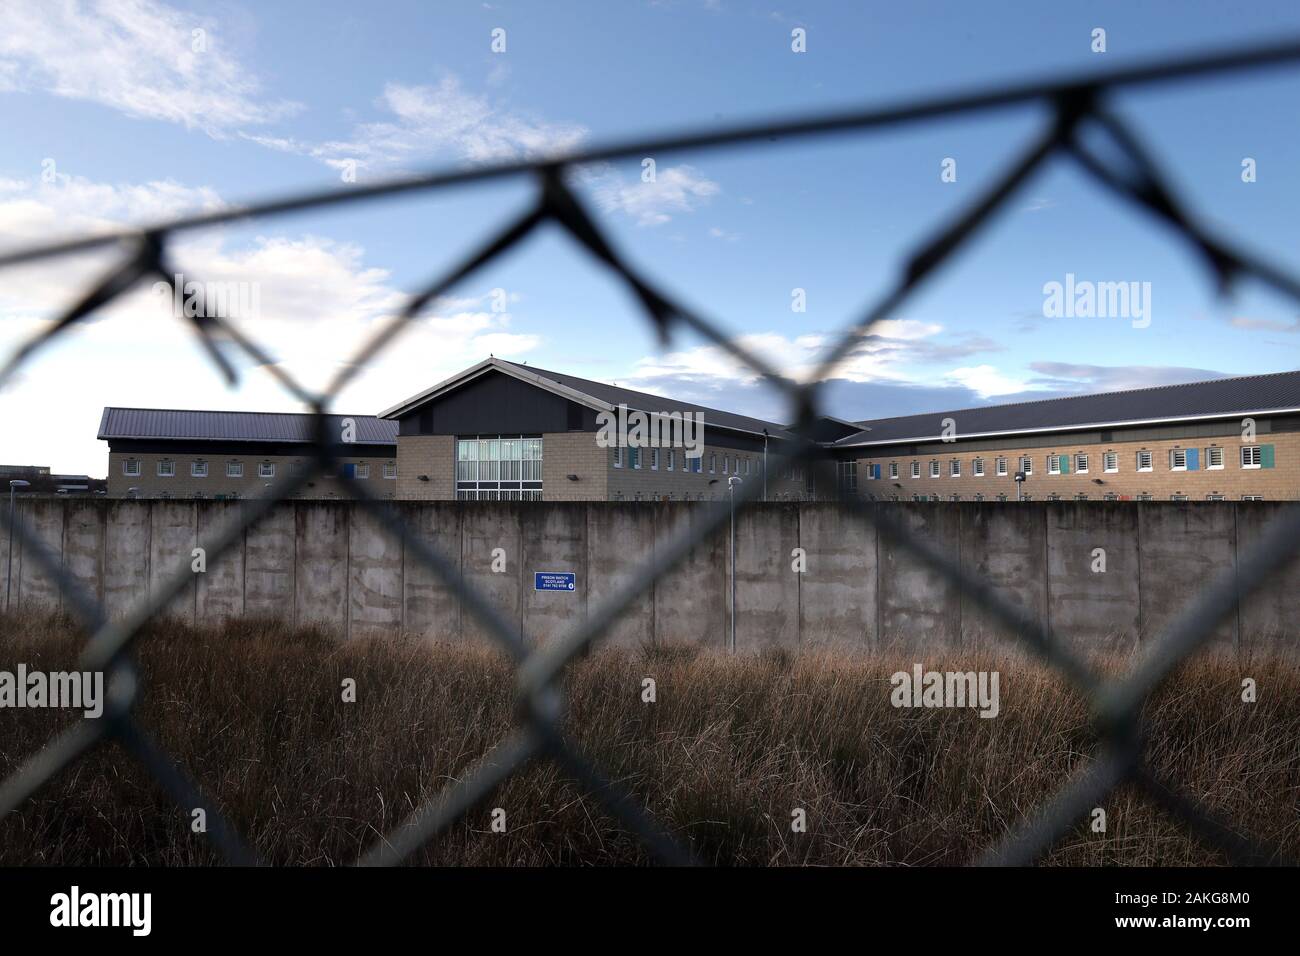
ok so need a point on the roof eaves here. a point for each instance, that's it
(1083, 426)
(487, 365)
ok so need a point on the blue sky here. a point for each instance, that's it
(130, 123)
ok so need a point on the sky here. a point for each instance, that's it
(138, 111)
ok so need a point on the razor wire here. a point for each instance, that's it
(1076, 105)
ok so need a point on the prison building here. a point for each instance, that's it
(177, 453)
(500, 430)
(1232, 439)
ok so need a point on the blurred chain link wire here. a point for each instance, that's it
(1076, 106)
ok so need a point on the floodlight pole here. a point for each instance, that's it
(9, 572)
(731, 490)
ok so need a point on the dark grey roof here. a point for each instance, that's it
(183, 424)
(647, 402)
(1225, 396)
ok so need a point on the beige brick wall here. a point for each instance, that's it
(1282, 482)
(574, 453)
(717, 464)
(432, 455)
(217, 482)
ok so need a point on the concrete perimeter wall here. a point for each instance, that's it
(333, 564)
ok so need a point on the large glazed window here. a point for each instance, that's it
(499, 468)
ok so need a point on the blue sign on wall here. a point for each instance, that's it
(554, 581)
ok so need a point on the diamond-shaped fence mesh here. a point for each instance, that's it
(1077, 106)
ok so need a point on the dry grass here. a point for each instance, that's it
(253, 712)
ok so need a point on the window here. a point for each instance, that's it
(1053, 497)
(1252, 497)
(672, 459)
(1178, 459)
(634, 457)
(1081, 464)
(390, 467)
(934, 469)
(848, 476)
(265, 470)
(1001, 466)
(1110, 496)
(1251, 456)
(198, 469)
(954, 468)
(1002, 497)
(1215, 498)
(363, 471)
(1053, 464)
(1144, 461)
(1026, 464)
(495, 468)
(166, 469)
(977, 468)
(748, 462)
(234, 469)
(1214, 458)
(654, 459)
(954, 497)
(713, 462)
(979, 496)
(1145, 497)
(1081, 496)
(916, 469)
(893, 469)
(618, 456)
(131, 468)
(1110, 462)
(1177, 497)
(697, 463)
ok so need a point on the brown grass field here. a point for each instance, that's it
(253, 712)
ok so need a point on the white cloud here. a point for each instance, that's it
(430, 121)
(985, 380)
(676, 189)
(318, 301)
(875, 359)
(134, 56)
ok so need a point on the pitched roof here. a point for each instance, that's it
(1224, 398)
(591, 393)
(185, 424)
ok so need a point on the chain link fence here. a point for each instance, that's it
(1076, 106)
